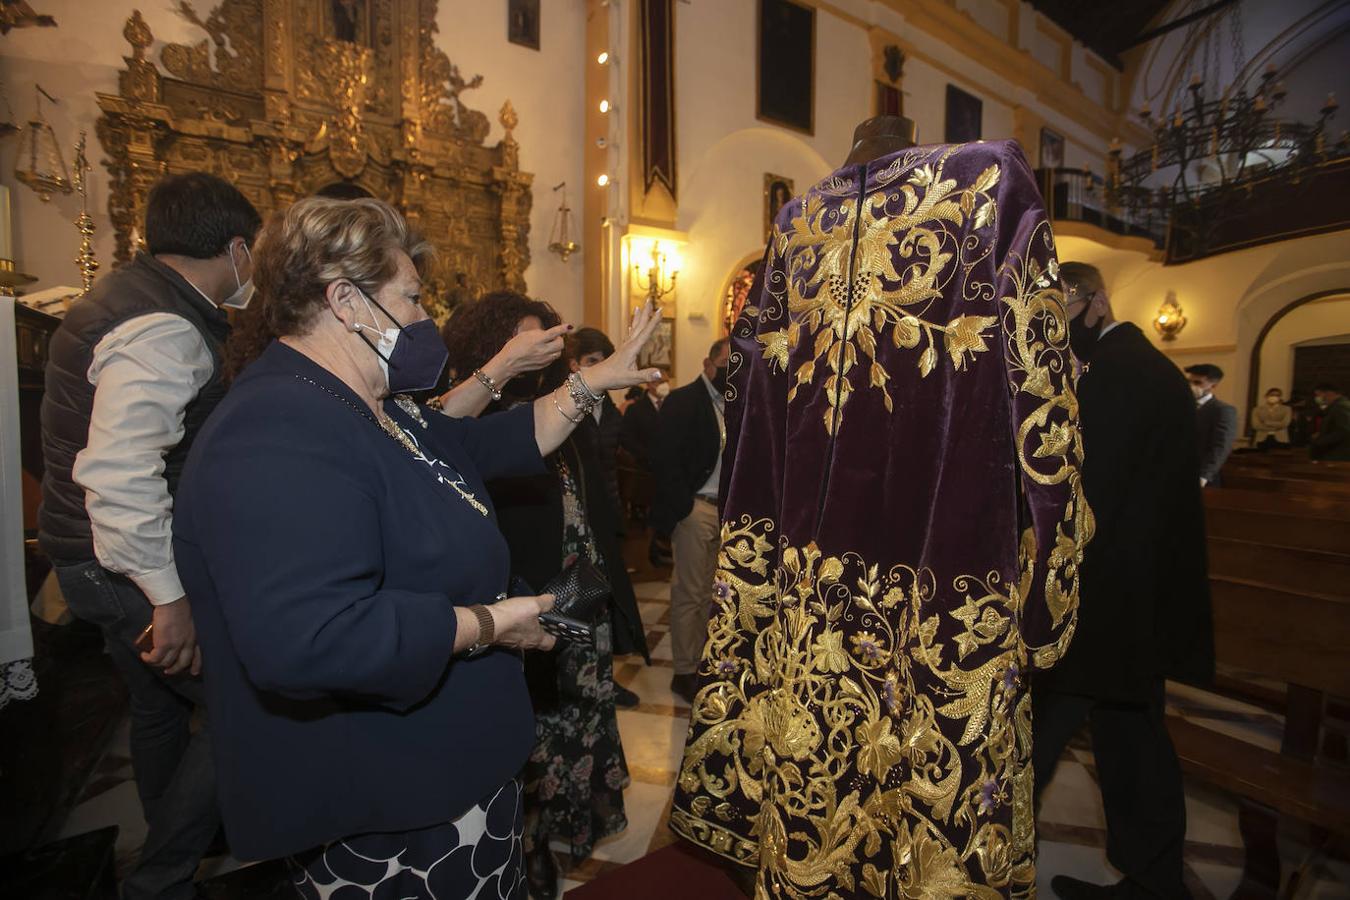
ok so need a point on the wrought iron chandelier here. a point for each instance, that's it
(1215, 144)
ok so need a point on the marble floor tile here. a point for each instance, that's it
(663, 649)
(652, 685)
(118, 806)
(652, 614)
(1211, 817)
(1218, 879)
(652, 590)
(643, 804)
(1072, 796)
(1087, 863)
(653, 741)
(1330, 881)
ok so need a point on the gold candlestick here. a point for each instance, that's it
(86, 261)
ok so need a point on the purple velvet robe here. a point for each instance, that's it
(903, 522)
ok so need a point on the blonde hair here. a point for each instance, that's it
(317, 241)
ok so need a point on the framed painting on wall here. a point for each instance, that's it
(1052, 149)
(778, 191)
(965, 113)
(522, 23)
(660, 350)
(786, 72)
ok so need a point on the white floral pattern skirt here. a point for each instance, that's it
(475, 857)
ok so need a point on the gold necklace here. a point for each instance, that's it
(401, 437)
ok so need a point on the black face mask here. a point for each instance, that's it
(1083, 337)
(719, 379)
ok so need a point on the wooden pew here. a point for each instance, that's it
(1280, 582)
(1320, 523)
(1300, 638)
(1294, 487)
(1315, 571)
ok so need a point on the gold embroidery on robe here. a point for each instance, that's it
(863, 727)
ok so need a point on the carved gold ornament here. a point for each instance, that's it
(284, 97)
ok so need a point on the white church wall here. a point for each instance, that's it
(547, 88)
(83, 55)
(71, 62)
(991, 15)
(724, 150)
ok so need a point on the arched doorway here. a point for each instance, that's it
(1304, 342)
(736, 291)
(1255, 380)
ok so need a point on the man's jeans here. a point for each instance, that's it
(175, 775)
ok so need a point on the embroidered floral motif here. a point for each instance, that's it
(862, 267)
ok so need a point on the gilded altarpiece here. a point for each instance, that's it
(285, 97)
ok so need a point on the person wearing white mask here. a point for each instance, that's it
(1270, 421)
(351, 581)
(133, 372)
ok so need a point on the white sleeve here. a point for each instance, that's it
(145, 372)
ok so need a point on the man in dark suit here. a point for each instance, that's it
(686, 468)
(1144, 612)
(1332, 441)
(1216, 424)
(640, 421)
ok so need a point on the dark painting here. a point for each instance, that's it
(1052, 149)
(522, 23)
(787, 64)
(964, 115)
(349, 21)
(777, 192)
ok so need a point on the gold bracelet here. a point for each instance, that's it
(487, 629)
(554, 397)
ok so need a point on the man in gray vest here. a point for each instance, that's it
(133, 372)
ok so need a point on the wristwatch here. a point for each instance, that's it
(487, 628)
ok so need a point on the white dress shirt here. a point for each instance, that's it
(714, 482)
(145, 372)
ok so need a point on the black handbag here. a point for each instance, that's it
(580, 593)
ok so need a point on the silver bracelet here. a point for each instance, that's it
(594, 396)
(558, 407)
(486, 381)
(581, 395)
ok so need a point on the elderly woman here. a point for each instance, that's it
(347, 574)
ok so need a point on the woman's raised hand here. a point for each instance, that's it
(530, 351)
(621, 369)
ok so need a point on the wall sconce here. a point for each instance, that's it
(656, 267)
(1170, 319)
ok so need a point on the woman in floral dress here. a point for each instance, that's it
(575, 777)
